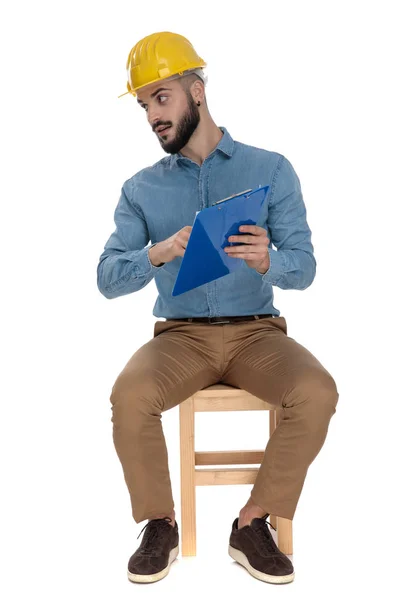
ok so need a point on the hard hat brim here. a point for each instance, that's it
(169, 78)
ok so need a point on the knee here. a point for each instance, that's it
(316, 386)
(326, 389)
(132, 400)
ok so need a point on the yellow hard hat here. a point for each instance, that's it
(160, 56)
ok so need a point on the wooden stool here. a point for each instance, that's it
(220, 397)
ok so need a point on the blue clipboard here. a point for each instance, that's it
(205, 259)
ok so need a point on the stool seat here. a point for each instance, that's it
(220, 397)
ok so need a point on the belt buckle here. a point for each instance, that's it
(216, 322)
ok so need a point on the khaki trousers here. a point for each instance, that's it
(257, 356)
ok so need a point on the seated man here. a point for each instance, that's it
(224, 331)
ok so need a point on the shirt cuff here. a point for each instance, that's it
(276, 267)
(144, 266)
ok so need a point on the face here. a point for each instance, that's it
(167, 104)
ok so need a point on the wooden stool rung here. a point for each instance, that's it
(227, 457)
(231, 476)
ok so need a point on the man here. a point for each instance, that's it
(225, 331)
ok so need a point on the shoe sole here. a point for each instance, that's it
(155, 576)
(242, 559)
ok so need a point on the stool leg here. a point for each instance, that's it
(282, 525)
(272, 426)
(188, 487)
(285, 537)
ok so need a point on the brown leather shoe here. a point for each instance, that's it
(253, 547)
(159, 548)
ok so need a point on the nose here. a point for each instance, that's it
(153, 116)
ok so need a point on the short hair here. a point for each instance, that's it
(187, 80)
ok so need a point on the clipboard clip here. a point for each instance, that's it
(230, 197)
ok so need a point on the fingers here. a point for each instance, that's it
(237, 250)
(247, 256)
(244, 250)
(246, 239)
(253, 229)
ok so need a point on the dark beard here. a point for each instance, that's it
(184, 130)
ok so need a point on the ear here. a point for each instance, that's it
(197, 91)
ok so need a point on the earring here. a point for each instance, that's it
(198, 104)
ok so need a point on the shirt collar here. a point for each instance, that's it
(225, 145)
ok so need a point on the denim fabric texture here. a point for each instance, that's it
(161, 199)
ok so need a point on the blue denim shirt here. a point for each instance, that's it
(161, 199)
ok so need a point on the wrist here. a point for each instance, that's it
(263, 268)
(154, 256)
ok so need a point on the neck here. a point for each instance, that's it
(203, 141)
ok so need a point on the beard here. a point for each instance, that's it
(184, 130)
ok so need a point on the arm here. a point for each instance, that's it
(292, 264)
(124, 266)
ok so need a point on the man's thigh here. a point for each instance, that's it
(172, 366)
(266, 362)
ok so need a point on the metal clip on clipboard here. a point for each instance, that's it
(230, 197)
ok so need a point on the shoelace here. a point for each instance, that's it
(265, 536)
(153, 534)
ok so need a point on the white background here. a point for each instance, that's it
(315, 81)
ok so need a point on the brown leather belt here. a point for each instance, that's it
(221, 320)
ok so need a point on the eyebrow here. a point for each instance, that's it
(155, 94)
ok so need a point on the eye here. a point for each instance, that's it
(158, 98)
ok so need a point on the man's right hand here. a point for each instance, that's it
(170, 248)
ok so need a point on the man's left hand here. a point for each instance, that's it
(254, 247)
